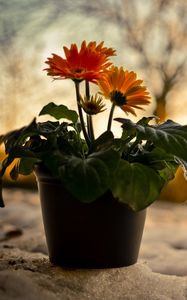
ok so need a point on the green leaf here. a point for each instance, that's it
(52, 161)
(169, 136)
(136, 185)
(146, 120)
(49, 127)
(17, 137)
(26, 165)
(89, 178)
(159, 160)
(109, 156)
(105, 140)
(59, 112)
(155, 158)
(15, 172)
(169, 171)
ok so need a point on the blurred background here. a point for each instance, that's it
(150, 37)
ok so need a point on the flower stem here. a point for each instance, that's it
(110, 117)
(89, 117)
(87, 139)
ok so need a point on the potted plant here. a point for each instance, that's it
(94, 191)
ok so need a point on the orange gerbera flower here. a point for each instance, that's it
(123, 89)
(88, 63)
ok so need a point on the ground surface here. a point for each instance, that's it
(25, 272)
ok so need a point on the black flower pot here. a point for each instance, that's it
(102, 234)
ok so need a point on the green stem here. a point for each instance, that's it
(80, 114)
(89, 117)
(110, 117)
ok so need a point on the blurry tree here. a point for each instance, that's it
(16, 80)
(22, 25)
(154, 32)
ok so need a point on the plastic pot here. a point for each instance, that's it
(101, 234)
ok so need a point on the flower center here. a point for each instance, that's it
(78, 70)
(118, 98)
(91, 108)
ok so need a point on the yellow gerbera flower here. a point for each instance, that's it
(88, 63)
(123, 89)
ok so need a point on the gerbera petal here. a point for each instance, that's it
(130, 80)
(66, 51)
(89, 63)
(128, 109)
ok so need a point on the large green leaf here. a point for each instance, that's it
(16, 152)
(136, 185)
(169, 136)
(89, 178)
(59, 112)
